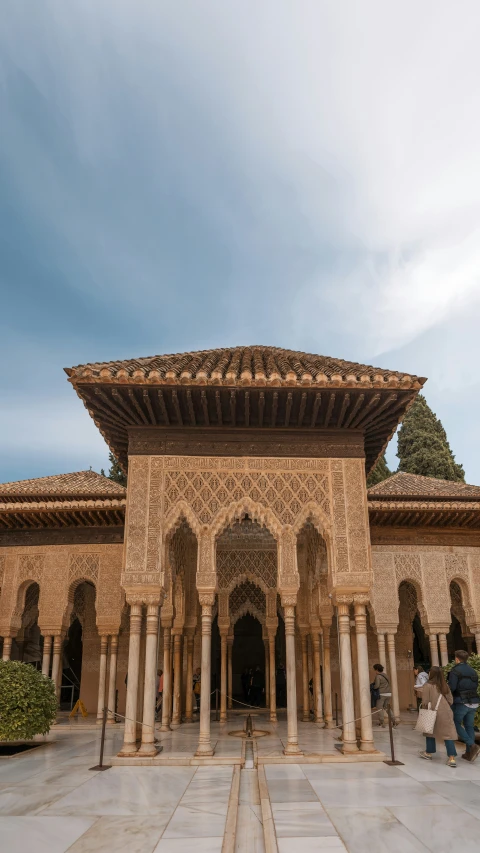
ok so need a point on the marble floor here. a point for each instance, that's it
(50, 802)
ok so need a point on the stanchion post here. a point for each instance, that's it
(392, 762)
(101, 765)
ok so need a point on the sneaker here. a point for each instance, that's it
(473, 752)
(451, 761)
(426, 755)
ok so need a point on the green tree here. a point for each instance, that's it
(379, 473)
(115, 472)
(423, 446)
(28, 704)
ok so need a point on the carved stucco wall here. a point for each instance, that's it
(430, 569)
(58, 569)
(211, 492)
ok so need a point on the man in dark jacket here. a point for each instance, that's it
(463, 682)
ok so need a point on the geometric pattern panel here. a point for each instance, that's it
(257, 564)
(247, 593)
(83, 566)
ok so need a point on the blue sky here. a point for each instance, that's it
(177, 176)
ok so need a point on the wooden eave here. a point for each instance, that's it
(464, 514)
(372, 408)
(35, 515)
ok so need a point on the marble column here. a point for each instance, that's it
(393, 676)
(47, 654)
(150, 682)
(432, 638)
(292, 747)
(317, 682)
(382, 655)
(442, 641)
(130, 734)
(177, 680)
(356, 684)
(327, 678)
(273, 680)
(305, 691)
(267, 672)
(346, 679)
(112, 679)
(223, 677)
(102, 677)
(469, 643)
(167, 678)
(189, 687)
(230, 671)
(477, 641)
(366, 729)
(7, 648)
(57, 663)
(204, 743)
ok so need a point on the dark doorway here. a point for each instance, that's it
(248, 652)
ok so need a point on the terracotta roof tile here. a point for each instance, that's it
(414, 486)
(78, 484)
(242, 365)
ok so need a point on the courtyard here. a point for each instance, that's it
(51, 801)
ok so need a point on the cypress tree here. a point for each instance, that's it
(423, 446)
(115, 472)
(379, 473)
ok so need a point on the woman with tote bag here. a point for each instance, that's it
(436, 707)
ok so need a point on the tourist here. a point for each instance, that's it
(281, 686)
(258, 686)
(158, 704)
(444, 728)
(381, 692)
(421, 678)
(463, 682)
(245, 679)
(197, 687)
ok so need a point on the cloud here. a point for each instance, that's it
(306, 174)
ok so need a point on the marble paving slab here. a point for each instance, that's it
(441, 829)
(374, 831)
(40, 834)
(197, 822)
(301, 819)
(310, 845)
(369, 793)
(120, 835)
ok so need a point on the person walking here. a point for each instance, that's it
(281, 686)
(421, 678)
(463, 682)
(158, 704)
(197, 687)
(436, 687)
(382, 692)
(258, 686)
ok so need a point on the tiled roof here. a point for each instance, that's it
(249, 365)
(415, 486)
(79, 484)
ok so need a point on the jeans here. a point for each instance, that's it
(431, 747)
(463, 718)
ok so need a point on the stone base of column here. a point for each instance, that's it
(349, 747)
(321, 723)
(204, 751)
(111, 721)
(174, 725)
(127, 751)
(330, 724)
(273, 717)
(166, 728)
(305, 718)
(223, 719)
(292, 749)
(148, 750)
(367, 746)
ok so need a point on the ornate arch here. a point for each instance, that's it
(181, 511)
(246, 506)
(248, 609)
(420, 607)
(242, 578)
(465, 602)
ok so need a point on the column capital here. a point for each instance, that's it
(289, 598)
(206, 598)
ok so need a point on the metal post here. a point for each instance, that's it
(101, 765)
(392, 762)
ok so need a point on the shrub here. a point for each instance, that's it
(28, 704)
(473, 661)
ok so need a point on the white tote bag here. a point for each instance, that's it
(427, 717)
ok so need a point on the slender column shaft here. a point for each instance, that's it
(356, 685)
(442, 641)
(130, 734)
(432, 638)
(366, 743)
(273, 680)
(167, 679)
(57, 663)
(292, 747)
(305, 696)
(327, 678)
(7, 648)
(267, 673)
(189, 688)
(346, 680)
(177, 680)
(317, 683)
(223, 678)
(102, 678)
(204, 743)
(112, 678)
(393, 675)
(477, 641)
(229, 671)
(382, 655)
(47, 654)
(150, 682)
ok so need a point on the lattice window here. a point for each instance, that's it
(257, 564)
